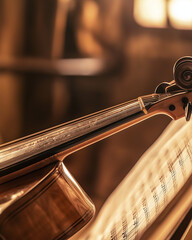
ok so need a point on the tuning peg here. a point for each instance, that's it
(188, 111)
(161, 88)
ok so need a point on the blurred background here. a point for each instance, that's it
(62, 59)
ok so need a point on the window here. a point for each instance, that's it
(156, 13)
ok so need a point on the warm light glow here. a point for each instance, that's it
(180, 13)
(92, 47)
(90, 14)
(89, 20)
(150, 13)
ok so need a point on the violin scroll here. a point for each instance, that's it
(182, 72)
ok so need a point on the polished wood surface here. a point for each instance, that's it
(46, 204)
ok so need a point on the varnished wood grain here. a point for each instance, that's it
(52, 206)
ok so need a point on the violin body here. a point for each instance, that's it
(45, 204)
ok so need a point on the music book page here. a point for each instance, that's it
(155, 196)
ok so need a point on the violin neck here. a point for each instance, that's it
(58, 142)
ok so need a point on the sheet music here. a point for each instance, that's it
(152, 184)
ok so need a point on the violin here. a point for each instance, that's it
(39, 199)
